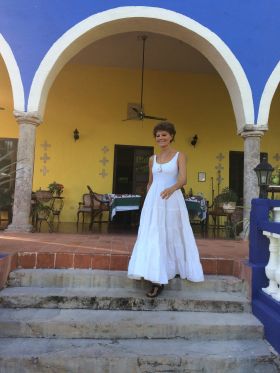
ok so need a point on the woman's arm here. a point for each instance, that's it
(151, 160)
(181, 180)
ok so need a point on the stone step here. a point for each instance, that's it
(82, 278)
(123, 299)
(134, 356)
(61, 323)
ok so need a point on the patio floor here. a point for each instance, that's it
(108, 250)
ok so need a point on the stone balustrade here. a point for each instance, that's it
(272, 270)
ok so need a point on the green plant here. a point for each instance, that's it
(227, 195)
(55, 187)
(275, 177)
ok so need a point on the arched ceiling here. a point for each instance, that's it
(162, 53)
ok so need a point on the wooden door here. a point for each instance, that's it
(131, 169)
(236, 172)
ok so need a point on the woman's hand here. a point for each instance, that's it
(166, 193)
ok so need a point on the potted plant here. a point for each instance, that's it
(56, 188)
(227, 200)
(275, 177)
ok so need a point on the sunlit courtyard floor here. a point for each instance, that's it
(109, 247)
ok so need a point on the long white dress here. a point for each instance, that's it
(165, 244)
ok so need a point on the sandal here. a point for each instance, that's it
(155, 290)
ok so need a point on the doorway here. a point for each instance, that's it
(131, 169)
(236, 172)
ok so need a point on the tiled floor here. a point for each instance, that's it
(115, 240)
(107, 249)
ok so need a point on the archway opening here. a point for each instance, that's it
(92, 93)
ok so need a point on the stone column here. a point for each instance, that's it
(24, 175)
(252, 140)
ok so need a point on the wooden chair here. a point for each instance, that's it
(43, 210)
(235, 226)
(85, 207)
(99, 203)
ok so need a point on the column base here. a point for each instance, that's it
(24, 228)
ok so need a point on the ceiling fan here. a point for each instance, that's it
(139, 111)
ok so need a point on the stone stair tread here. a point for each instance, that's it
(92, 272)
(78, 278)
(121, 293)
(76, 273)
(123, 356)
(108, 316)
(57, 323)
(30, 347)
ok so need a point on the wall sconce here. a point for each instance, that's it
(76, 134)
(194, 140)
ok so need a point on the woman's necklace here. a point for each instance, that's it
(162, 158)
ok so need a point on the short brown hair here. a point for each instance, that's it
(165, 126)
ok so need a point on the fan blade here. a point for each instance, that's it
(152, 117)
(136, 110)
(2, 108)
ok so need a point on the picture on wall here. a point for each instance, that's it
(201, 176)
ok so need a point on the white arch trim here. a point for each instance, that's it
(14, 74)
(267, 96)
(135, 18)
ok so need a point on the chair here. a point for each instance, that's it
(84, 208)
(235, 223)
(57, 207)
(42, 210)
(99, 204)
(231, 223)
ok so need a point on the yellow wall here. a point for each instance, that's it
(270, 141)
(94, 100)
(8, 125)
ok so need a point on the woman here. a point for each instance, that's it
(165, 245)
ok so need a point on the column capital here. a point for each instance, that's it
(253, 128)
(32, 117)
(254, 133)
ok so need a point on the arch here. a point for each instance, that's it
(14, 74)
(158, 20)
(267, 96)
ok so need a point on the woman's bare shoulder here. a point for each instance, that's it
(182, 155)
(152, 158)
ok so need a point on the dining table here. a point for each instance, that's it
(123, 202)
(197, 209)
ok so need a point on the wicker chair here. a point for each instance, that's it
(100, 203)
(85, 207)
(93, 204)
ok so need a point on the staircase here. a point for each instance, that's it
(99, 321)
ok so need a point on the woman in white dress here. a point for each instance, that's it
(165, 245)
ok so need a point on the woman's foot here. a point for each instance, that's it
(155, 290)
